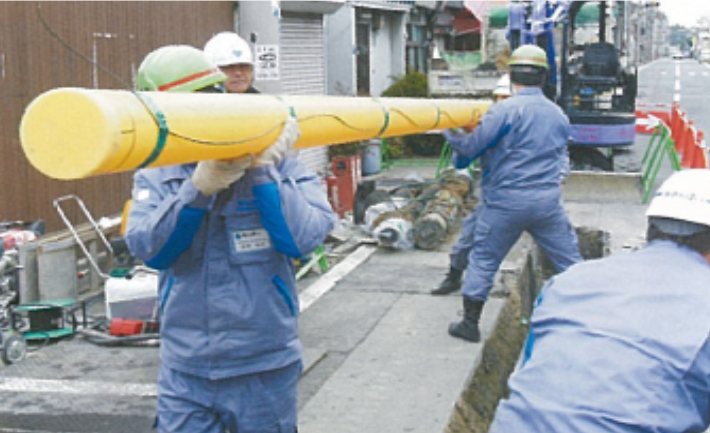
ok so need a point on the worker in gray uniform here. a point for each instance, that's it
(458, 257)
(223, 234)
(622, 344)
(522, 143)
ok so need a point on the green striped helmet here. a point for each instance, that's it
(177, 68)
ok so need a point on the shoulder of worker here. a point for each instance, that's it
(535, 96)
(289, 168)
(530, 91)
(657, 257)
(158, 175)
(292, 167)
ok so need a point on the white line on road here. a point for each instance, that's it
(326, 282)
(77, 387)
(677, 85)
(17, 430)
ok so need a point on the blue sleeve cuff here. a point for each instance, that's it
(268, 200)
(264, 175)
(461, 161)
(188, 223)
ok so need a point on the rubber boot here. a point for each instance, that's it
(451, 283)
(467, 329)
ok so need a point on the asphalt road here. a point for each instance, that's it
(686, 82)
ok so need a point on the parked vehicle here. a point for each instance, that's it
(590, 82)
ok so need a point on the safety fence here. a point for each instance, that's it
(674, 136)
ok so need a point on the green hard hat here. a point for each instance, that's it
(177, 68)
(529, 55)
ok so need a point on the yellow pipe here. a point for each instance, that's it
(73, 133)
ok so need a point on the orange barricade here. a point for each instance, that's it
(699, 156)
(676, 120)
(683, 140)
(689, 142)
(648, 115)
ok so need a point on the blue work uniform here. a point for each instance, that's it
(228, 297)
(522, 145)
(617, 345)
(458, 257)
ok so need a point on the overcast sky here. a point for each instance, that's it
(685, 12)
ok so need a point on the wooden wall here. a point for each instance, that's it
(45, 45)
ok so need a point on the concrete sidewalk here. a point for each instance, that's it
(377, 353)
(387, 363)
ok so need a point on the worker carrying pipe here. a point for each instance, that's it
(223, 234)
(522, 143)
(74, 133)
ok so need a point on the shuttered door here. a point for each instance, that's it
(303, 69)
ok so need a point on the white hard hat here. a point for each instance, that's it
(228, 48)
(682, 198)
(503, 86)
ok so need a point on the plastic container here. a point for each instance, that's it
(371, 158)
(134, 298)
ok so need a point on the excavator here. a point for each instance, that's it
(588, 79)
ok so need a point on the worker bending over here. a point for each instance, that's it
(622, 344)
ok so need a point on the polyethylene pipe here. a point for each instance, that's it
(73, 133)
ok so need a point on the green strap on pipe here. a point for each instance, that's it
(291, 110)
(386, 123)
(163, 129)
(438, 117)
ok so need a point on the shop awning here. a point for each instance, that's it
(465, 22)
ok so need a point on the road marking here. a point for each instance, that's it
(677, 70)
(311, 294)
(677, 85)
(16, 430)
(676, 97)
(51, 386)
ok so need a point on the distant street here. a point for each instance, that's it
(686, 82)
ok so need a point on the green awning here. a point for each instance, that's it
(498, 16)
(588, 14)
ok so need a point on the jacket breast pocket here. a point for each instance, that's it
(249, 242)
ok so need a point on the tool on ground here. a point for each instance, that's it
(130, 294)
(13, 346)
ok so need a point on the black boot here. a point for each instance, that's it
(451, 284)
(467, 329)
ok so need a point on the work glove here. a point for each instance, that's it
(214, 175)
(275, 153)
